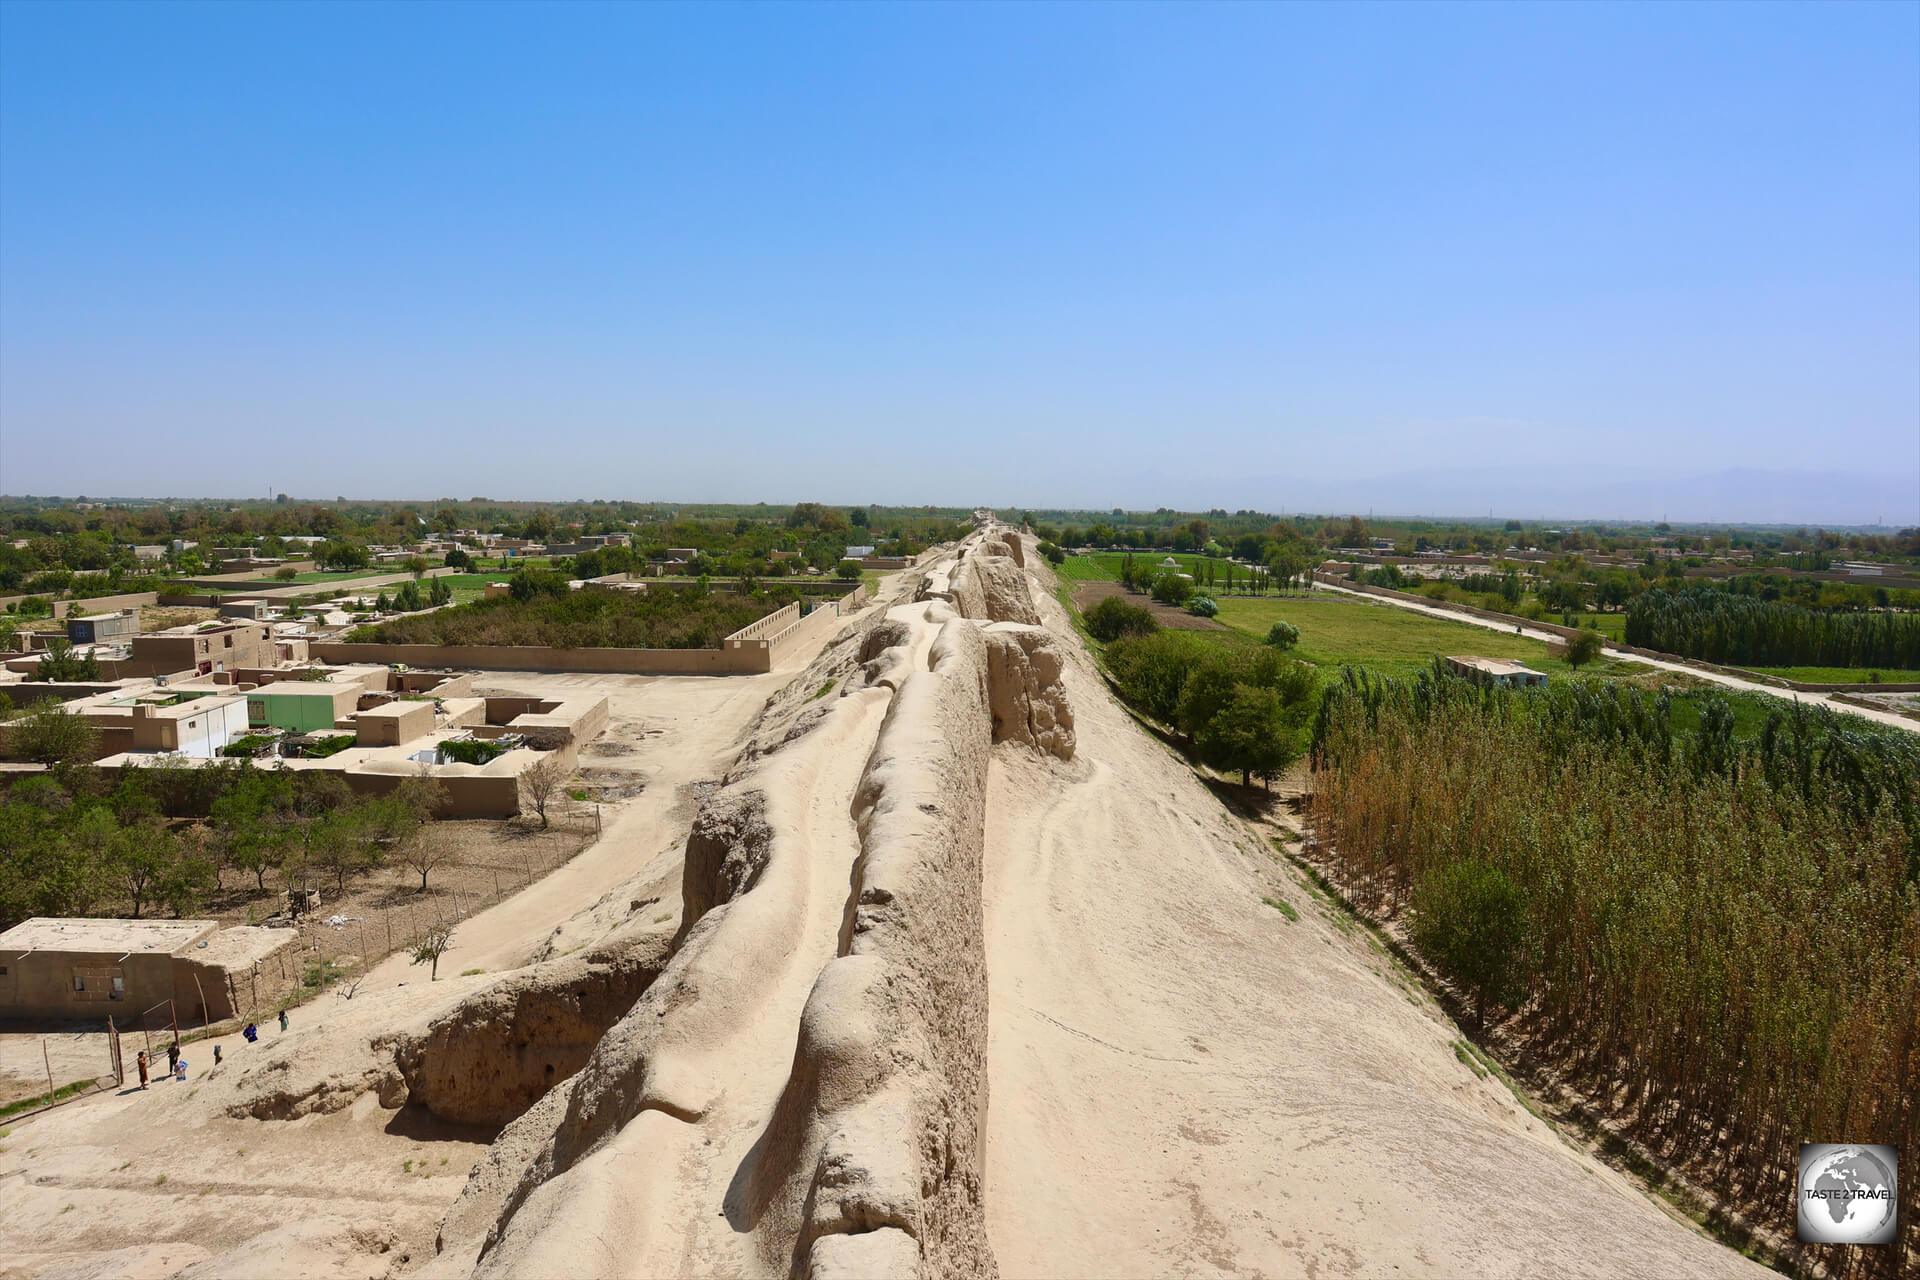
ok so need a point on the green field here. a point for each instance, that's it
(1612, 625)
(1104, 566)
(307, 579)
(1083, 569)
(1338, 631)
(1837, 675)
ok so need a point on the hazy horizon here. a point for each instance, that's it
(1382, 497)
(1573, 262)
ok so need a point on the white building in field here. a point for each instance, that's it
(1497, 671)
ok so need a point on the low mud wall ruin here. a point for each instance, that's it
(752, 650)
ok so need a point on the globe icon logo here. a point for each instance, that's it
(1847, 1194)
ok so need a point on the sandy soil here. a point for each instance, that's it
(1186, 1082)
(78, 1052)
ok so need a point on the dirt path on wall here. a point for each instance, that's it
(657, 1225)
(1184, 1081)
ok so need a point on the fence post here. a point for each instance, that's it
(49, 1063)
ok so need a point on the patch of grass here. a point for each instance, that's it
(321, 973)
(1284, 907)
(39, 1100)
(1839, 675)
(822, 691)
(1104, 566)
(406, 1166)
(1337, 631)
(468, 973)
(1466, 1055)
(1064, 595)
(341, 578)
(160, 1181)
(1084, 569)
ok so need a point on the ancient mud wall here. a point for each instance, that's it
(496, 1054)
(871, 1162)
(877, 1139)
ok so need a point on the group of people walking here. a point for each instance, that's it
(177, 1065)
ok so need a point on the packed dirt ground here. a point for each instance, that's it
(924, 959)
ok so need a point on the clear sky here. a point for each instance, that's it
(1568, 260)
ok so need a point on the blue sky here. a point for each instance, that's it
(1551, 260)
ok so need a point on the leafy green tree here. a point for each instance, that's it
(49, 734)
(141, 855)
(526, 584)
(342, 555)
(60, 664)
(1283, 635)
(337, 842)
(1172, 588)
(431, 946)
(184, 883)
(849, 571)
(1202, 607)
(1583, 648)
(1469, 919)
(1286, 565)
(1248, 733)
(1113, 618)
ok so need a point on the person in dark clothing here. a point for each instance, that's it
(252, 1033)
(216, 1055)
(142, 1060)
(283, 1019)
(173, 1056)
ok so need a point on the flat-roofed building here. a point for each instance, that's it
(53, 967)
(197, 727)
(103, 628)
(205, 650)
(304, 706)
(1503, 672)
(393, 723)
